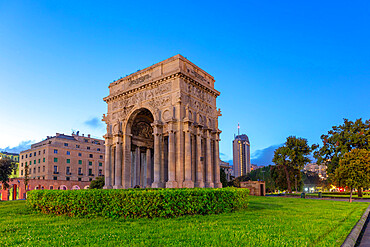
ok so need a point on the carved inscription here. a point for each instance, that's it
(139, 80)
(199, 93)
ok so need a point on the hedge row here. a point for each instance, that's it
(138, 203)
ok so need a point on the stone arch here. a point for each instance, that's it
(63, 187)
(75, 187)
(86, 187)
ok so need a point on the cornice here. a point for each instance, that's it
(181, 75)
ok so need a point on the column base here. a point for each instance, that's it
(156, 185)
(188, 184)
(218, 185)
(117, 187)
(171, 184)
(210, 185)
(199, 184)
(108, 187)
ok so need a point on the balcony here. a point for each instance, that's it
(55, 172)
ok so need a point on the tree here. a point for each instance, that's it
(291, 158)
(97, 183)
(341, 140)
(263, 174)
(354, 170)
(223, 178)
(7, 167)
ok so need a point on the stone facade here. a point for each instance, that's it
(64, 157)
(257, 188)
(162, 128)
(17, 189)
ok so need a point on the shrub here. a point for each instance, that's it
(138, 203)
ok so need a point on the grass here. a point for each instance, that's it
(330, 195)
(268, 221)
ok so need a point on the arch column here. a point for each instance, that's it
(126, 171)
(209, 182)
(199, 160)
(188, 183)
(108, 162)
(171, 157)
(217, 161)
(118, 167)
(157, 132)
(148, 168)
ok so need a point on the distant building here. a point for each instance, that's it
(315, 168)
(227, 168)
(241, 156)
(64, 157)
(15, 158)
(255, 167)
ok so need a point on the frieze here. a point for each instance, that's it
(199, 93)
(139, 80)
(141, 96)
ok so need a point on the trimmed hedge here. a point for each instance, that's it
(138, 203)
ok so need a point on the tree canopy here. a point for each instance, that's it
(290, 159)
(354, 170)
(97, 183)
(341, 140)
(7, 167)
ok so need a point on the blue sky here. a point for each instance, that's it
(283, 68)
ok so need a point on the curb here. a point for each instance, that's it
(356, 231)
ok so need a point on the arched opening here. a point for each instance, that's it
(63, 187)
(142, 148)
(75, 187)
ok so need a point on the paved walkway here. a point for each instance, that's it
(365, 241)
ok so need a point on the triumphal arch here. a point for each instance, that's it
(162, 128)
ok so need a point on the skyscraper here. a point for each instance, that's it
(241, 155)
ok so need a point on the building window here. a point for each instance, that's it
(68, 161)
(30, 171)
(90, 172)
(79, 179)
(43, 159)
(98, 149)
(55, 169)
(43, 168)
(100, 164)
(34, 154)
(86, 140)
(101, 156)
(100, 172)
(90, 163)
(66, 144)
(90, 179)
(39, 160)
(44, 151)
(80, 171)
(21, 164)
(79, 154)
(68, 178)
(34, 170)
(26, 156)
(39, 152)
(21, 172)
(77, 146)
(38, 169)
(51, 186)
(55, 178)
(90, 156)
(68, 153)
(25, 163)
(68, 170)
(30, 155)
(22, 157)
(34, 162)
(88, 148)
(80, 162)
(55, 151)
(55, 159)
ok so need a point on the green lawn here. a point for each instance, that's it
(268, 221)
